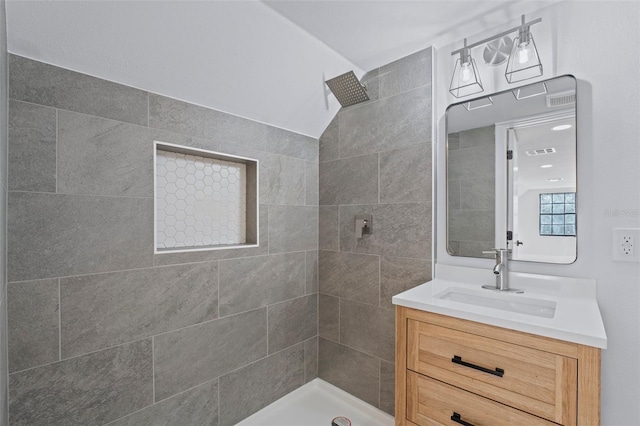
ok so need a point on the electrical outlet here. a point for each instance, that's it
(625, 244)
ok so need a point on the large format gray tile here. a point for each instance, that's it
(398, 274)
(284, 142)
(45, 84)
(97, 156)
(195, 407)
(471, 225)
(387, 387)
(182, 117)
(470, 163)
(349, 275)
(328, 229)
(292, 322)
(209, 255)
(405, 175)
(479, 136)
(32, 147)
(391, 123)
(293, 228)
(478, 194)
(33, 323)
(310, 359)
(282, 180)
(350, 370)
(329, 143)
(402, 230)
(60, 235)
(312, 271)
(194, 355)
(349, 181)
(98, 311)
(92, 389)
(253, 282)
(312, 184)
(408, 73)
(329, 317)
(255, 386)
(367, 328)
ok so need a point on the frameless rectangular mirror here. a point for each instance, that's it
(511, 173)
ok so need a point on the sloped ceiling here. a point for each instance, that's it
(266, 61)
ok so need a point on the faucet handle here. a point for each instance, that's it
(493, 251)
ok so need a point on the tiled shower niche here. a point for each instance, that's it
(204, 200)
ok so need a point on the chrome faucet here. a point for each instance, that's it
(501, 271)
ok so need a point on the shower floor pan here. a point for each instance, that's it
(316, 404)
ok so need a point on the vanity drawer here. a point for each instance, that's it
(541, 383)
(431, 403)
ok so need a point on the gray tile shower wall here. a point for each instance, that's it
(4, 394)
(375, 158)
(101, 329)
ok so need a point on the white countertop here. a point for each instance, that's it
(577, 315)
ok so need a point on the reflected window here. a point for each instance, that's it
(558, 214)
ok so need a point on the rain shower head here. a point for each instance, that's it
(348, 89)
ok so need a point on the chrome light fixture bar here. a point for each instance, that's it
(523, 64)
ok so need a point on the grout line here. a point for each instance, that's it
(153, 369)
(157, 266)
(379, 380)
(59, 323)
(381, 151)
(78, 356)
(357, 350)
(148, 109)
(218, 397)
(378, 178)
(379, 280)
(339, 315)
(83, 195)
(218, 296)
(57, 150)
(162, 400)
(267, 330)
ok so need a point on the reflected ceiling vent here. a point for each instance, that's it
(541, 151)
(561, 99)
(347, 89)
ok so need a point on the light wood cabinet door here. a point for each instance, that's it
(539, 382)
(433, 403)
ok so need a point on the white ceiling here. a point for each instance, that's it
(265, 61)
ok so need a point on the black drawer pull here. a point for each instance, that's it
(458, 419)
(458, 360)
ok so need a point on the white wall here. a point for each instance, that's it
(536, 246)
(598, 42)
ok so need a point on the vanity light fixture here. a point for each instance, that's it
(466, 78)
(561, 127)
(523, 63)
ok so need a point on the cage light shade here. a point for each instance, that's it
(466, 79)
(524, 62)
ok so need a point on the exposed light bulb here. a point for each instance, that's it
(524, 53)
(465, 72)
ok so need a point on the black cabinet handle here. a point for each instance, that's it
(458, 360)
(458, 419)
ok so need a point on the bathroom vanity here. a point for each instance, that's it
(471, 356)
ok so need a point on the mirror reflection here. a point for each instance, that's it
(511, 173)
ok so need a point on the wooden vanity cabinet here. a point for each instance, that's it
(451, 371)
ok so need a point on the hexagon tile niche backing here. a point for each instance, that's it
(200, 201)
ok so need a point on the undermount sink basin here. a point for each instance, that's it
(506, 302)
